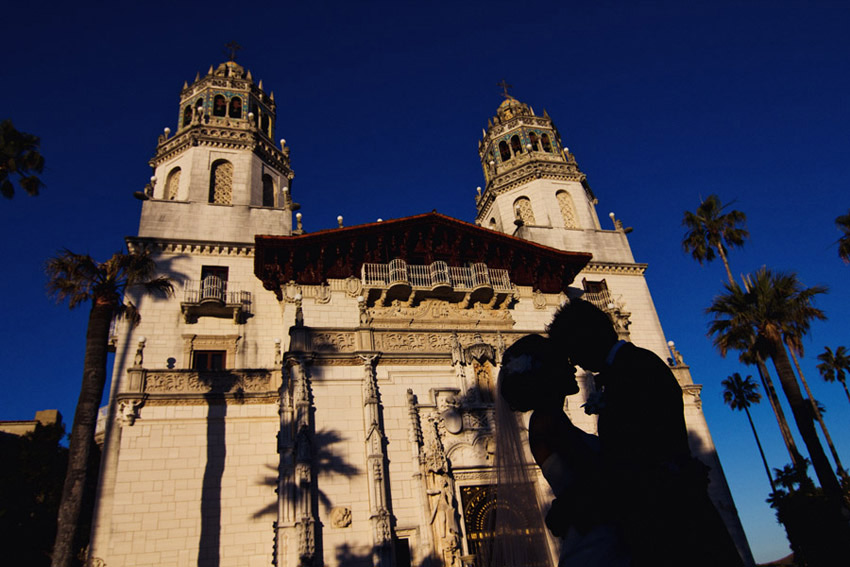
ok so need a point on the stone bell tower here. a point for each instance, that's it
(535, 189)
(220, 176)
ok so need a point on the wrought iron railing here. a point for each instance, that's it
(214, 289)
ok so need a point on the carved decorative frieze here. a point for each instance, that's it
(333, 341)
(606, 268)
(434, 312)
(220, 382)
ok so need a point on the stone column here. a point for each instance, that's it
(420, 477)
(376, 466)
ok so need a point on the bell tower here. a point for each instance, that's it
(534, 188)
(220, 176)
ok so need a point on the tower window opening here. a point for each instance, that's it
(221, 182)
(522, 206)
(255, 113)
(532, 137)
(172, 184)
(568, 210)
(268, 190)
(235, 110)
(504, 152)
(492, 223)
(516, 146)
(547, 145)
(219, 106)
(264, 124)
(187, 115)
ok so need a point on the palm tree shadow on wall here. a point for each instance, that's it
(346, 557)
(220, 384)
(327, 464)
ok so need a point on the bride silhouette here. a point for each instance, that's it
(534, 377)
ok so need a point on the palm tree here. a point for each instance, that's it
(710, 229)
(765, 309)
(834, 366)
(739, 394)
(78, 278)
(20, 156)
(843, 223)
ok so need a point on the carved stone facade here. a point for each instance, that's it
(351, 422)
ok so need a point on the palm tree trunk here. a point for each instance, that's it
(773, 398)
(818, 415)
(805, 423)
(846, 391)
(761, 452)
(725, 263)
(81, 439)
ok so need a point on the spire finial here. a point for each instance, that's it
(230, 49)
(505, 86)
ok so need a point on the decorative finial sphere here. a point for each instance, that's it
(528, 146)
(282, 142)
(250, 116)
(360, 299)
(298, 216)
(611, 214)
(671, 344)
(142, 339)
(339, 218)
(277, 341)
(380, 220)
(153, 178)
(297, 297)
(167, 130)
(492, 162)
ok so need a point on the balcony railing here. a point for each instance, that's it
(601, 299)
(215, 296)
(436, 275)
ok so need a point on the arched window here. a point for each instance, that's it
(515, 145)
(504, 152)
(235, 110)
(547, 145)
(221, 182)
(568, 210)
(219, 106)
(255, 112)
(532, 136)
(268, 190)
(172, 184)
(492, 223)
(264, 124)
(187, 115)
(522, 208)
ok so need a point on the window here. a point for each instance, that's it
(492, 223)
(235, 110)
(596, 292)
(221, 182)
(213, 284)
(219, 106)
(532, 136)
(516, 146)
(209, 360)
(187, 115)
(268, 190)
(172, 184)
(265, 125)
(547, 145)
(402, 552)
(504, 152)
(522, 207)
(568, 210)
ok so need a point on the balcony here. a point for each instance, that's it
(398, 280)
(214, 297)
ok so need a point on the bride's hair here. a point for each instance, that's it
(518, 532)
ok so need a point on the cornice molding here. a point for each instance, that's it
(612, 268)
(197, 247)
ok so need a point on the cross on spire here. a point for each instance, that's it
(505, 86)
(230, 48)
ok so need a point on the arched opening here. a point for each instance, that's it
(268, 190)
(532, 137)
(264, 124)
(547, 145)
(516, 146)
(219, 106)
(187, 115)
(172, 184)
(522, 207)
(235, 110)
(504, 152)
(221, 182)
(492, 224)
(568, 210)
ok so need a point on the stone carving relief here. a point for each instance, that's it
(330, 341)
(190, 381)
(353, 286)
(323, 294)
(341, 517)
(290, 291)
(538, 300)
(434, 312)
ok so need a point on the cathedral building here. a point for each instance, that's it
(326, 398)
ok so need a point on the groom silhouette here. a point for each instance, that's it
(658, 490)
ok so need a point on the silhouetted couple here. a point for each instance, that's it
(634, 495)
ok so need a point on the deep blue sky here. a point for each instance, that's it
(383, 105)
